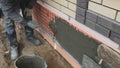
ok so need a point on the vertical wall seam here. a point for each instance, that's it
(116, 14)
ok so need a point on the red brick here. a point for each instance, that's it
(43, 16)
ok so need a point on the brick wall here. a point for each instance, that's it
(102, 16)
(43, 16)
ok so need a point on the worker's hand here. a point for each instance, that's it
(28, 12)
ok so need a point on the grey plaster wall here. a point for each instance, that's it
(76, 43)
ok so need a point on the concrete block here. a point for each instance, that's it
(68, 12)
(72, 6)
(54, 4)
(92, 16)
(102, 10)
(102, 30)
(105, 22)
(118, 17)
(109, 23)
(80, 11)
(82, 3)
(115, 37)
(80, 18)
(98, 28)
(116, 27)
(90, 24)
(112, 3)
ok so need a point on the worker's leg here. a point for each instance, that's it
(9, 16)
(10, 31)
(29, 31)
(11, 34)
(28, 16)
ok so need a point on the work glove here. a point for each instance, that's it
(28, 12)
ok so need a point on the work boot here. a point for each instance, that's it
(30, 35)
(14, 52)
(34, 40)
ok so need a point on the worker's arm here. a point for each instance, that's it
(31, 4)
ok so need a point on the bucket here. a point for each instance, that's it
(30, 62)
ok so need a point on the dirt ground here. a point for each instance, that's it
(52, 58)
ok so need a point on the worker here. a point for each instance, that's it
(11, 10)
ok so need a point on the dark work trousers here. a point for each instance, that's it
(11, 14)
(29, 5)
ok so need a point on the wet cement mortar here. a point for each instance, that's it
(51, 56)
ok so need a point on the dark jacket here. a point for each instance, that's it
(27, 3)
(9, 4)
(11, 10)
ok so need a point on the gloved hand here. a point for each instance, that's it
(28, 12)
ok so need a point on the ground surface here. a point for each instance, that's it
(52, 58)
